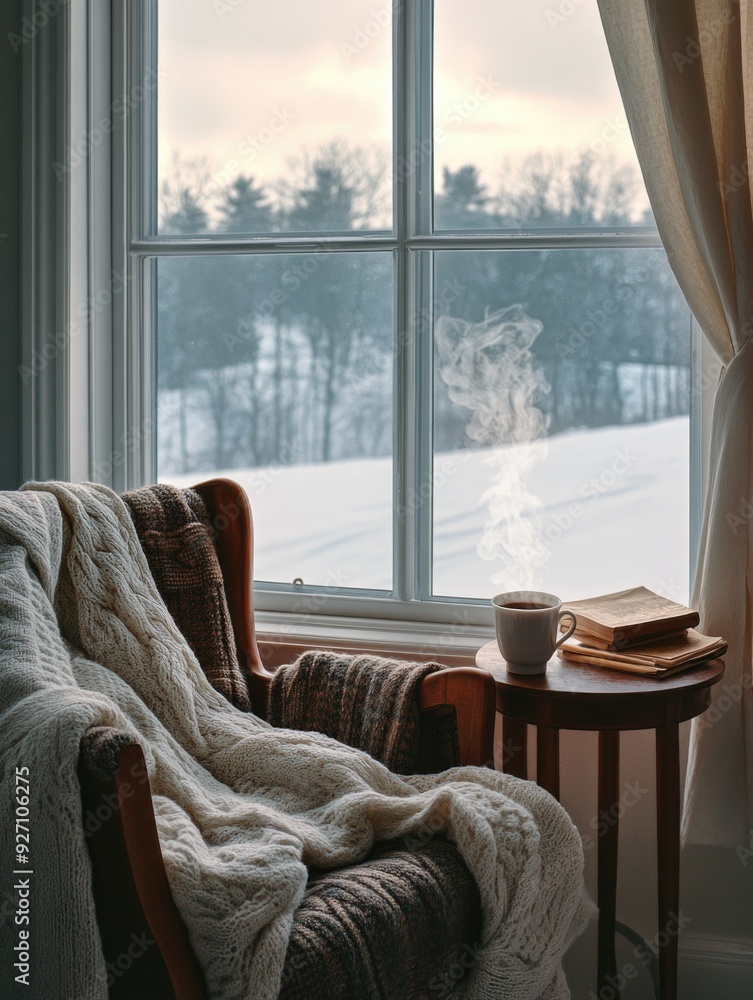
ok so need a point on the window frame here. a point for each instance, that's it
(109, 436)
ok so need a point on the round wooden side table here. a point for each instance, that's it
(608, 702)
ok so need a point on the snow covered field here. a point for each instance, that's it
(613, 513)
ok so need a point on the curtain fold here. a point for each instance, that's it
(685, 75)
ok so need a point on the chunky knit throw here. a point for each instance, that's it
(368, 702)
(176, 535)
(242, 808)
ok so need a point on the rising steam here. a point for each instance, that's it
(488, 368)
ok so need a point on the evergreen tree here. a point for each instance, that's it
(186, 216)
(244, 208)
(464, 201)
(325, 203)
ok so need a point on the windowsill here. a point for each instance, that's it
(452, 645)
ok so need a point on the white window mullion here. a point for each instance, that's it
(413, 175)
(144, 405)
(423, 501)
(403, 566)
(423, 322)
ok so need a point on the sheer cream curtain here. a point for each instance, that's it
(684, 70)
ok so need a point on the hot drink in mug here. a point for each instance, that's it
(526, 622)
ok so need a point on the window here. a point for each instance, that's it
(393, 268)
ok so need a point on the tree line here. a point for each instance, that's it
(288, 358)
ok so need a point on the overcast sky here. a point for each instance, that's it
(248, 84)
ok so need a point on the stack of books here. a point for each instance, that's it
(638, 631)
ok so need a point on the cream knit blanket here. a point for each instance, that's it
(242, 808)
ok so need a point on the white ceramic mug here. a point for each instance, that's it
(526, 622)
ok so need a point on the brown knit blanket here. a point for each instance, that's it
(403, 925)
(176, 535)
(370, 703)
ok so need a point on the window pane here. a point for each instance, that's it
(562, 383)
(529, 126)
(258, 107)
(276, 370)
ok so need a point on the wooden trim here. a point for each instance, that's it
(136, 914)
(150, 878)
(473, 693)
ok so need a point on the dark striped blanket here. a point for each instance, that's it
(367, 702)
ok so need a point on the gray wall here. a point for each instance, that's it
(10, 247)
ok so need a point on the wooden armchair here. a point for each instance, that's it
(135, 908)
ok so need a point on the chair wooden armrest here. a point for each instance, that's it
(146, 946)
(470, 690)
(474, 695)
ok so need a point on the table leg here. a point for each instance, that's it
(609, 779)
(668, 853)
(514, 747)
(548, 759)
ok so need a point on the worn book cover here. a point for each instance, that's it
(629, 614)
